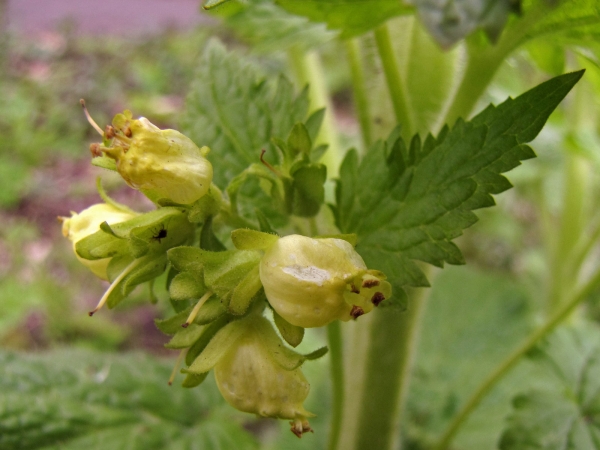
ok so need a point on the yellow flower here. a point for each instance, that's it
(87, 222)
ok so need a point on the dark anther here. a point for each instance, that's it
(109, 132)
(377, 298)
(127, 132)
(370, 283)
(354, 289)
(356, 312)
(95, 150)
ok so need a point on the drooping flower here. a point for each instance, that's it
(311, 282)
(86, 223)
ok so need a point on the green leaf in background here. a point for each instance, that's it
(449, 21)
(236, 111)
(269, 28)
(73, 399)
(567, 21)
(471, 321)
(566, 414)
(409, 203)
(351, 17)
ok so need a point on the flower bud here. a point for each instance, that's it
(87, 222)
(251, 380)
(312, 282)
(163, 164)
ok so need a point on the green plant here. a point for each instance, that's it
(425, 164)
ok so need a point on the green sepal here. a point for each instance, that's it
(100, 245)
(194, 379)
(263, 222)
(206, 336)
(145, 221)
(318, 152)
(217, 347)
(210, 311)
(186, 286)
(285, 358)
(104, 162)
(298, 142)
(308, 192)
(314, 122)
(208, 240)
(147, 268)
(186, 337)
(186, 259)
(244, 292)
(117, 265)
(206, 206)
(223, 271)
(292, 334)
(246, 239)
(351, 238)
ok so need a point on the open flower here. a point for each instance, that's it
(86, 223)
(163, 164)
(311, 282)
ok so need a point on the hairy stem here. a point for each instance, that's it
(505, 366)
(394, 80)
(361, 101)
(334, 336)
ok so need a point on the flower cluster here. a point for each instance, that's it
(220, 291)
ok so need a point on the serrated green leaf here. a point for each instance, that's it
(186, 259)
(237, 111)
(292, 334)
(351, 17)
(269, 28)
(471, 322)
(567, 415)
(74, 399)
(223, 271)
(409, 204)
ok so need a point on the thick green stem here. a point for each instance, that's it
(308, 69)
(334, 336)
(394, 80)
(505, 366)
(382, 349)
(361, 101)
(484, 61)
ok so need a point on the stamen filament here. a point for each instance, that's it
(112, 286)
(177, 364)
(89, 118)
(194, 312)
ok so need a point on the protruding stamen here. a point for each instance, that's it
(194, 312)
(377, 298)
(356, 312)
(89, 118)
(300, 426)
(176, 367)
(370, 283)
(95, 150)
(112, 286)
(266, 164)
(109, 132)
